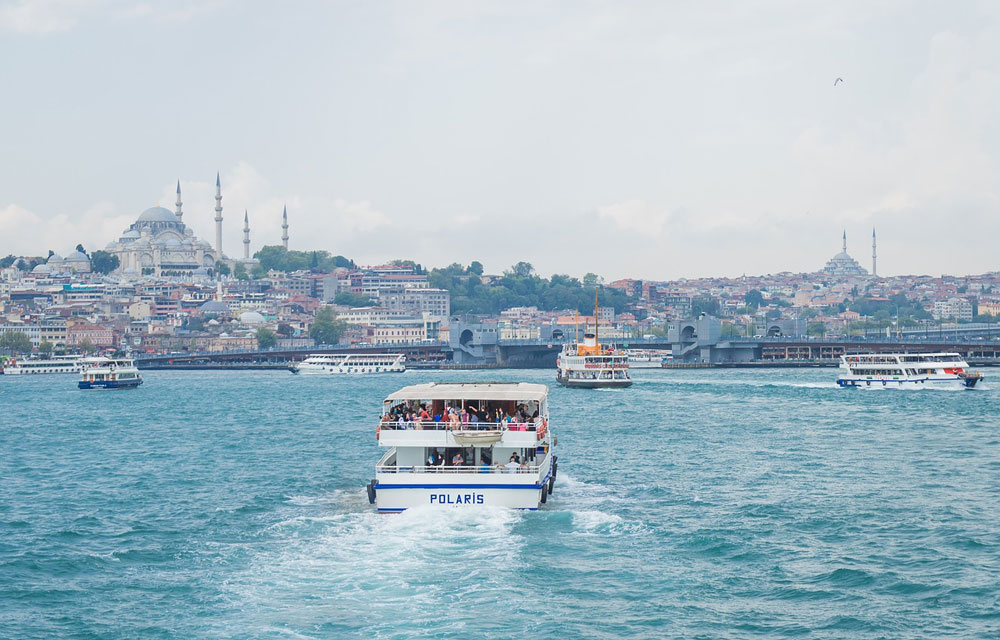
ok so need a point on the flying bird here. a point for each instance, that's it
(837, 80)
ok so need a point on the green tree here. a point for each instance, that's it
(86, 346)
(15, 341)
(80, 248)
(258, 271)
(816, 329)
(285, 330)
(523, 269)
(103, 262)
(221, 268)
(266, 338)
(6, 262)
(240, 272)
(591, 279)
(754, 298)
(348, 299)
(45, 348)
(326, 329)
(773, 314)
(475, 268)
(705, 304)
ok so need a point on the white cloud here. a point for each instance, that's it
(30, 233)
(53, 16)
(45, 16)
(636, 215)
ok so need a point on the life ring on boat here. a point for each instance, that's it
(378, 431)
(542, 428)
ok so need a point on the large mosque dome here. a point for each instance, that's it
(157, 214)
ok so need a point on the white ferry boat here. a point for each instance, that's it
(109, 373)
(587, 365)
(465, 444)
(646, 358)
(905, 369)
(330, 363)
(33, 366)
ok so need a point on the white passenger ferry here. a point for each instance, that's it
(587, 365)
(647, 358)
(33, 366)
(465, 444)
(109, 373)
(329, 363)
(905, 369)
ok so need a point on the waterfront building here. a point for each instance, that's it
(952, 309)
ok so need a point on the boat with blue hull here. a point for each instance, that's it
(109, 373)
(451, 444)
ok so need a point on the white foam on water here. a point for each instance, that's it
(360, 567)
(591, 520)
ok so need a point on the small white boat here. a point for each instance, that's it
(464, 444)
(646, 358)
(332, 363)
(109, 373)
(906, 370)
(35, 366)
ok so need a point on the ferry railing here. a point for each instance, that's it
(425, 425)
(485, 469)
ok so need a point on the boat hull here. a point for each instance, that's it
(397, 496)
(110, 384)
(967, 383)
(593, 384)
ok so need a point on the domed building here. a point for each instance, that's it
(844, 265)
(159, 243)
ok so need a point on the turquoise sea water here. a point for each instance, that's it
(698, 504)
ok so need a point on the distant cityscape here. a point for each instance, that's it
(159, 289)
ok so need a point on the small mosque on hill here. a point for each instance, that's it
(158, 243)
(843, 265)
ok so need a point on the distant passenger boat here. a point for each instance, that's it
(906, 370)
(587, 365)
(646, 358)
(32, 366)
(451, 444)
(328, 363)
(109, 373)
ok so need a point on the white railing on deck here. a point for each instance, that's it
(397, 425)
(384, 468)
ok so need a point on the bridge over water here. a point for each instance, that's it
(541, 353)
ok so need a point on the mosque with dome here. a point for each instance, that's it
(158, 243)
(843, 265)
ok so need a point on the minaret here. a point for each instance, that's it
(246, 235)
(284, 227)
(178, 212)
(874, 255)
(845, 241)
(218, 217)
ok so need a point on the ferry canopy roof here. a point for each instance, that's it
(472, 391)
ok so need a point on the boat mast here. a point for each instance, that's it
(596, 322)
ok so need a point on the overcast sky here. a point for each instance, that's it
(634, 139)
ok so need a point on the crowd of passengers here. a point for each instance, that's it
(455, 418)
(514, 465)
